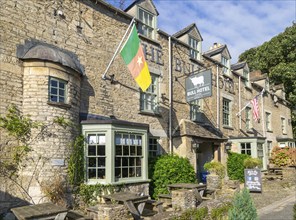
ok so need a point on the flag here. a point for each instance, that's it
(254, 102)
(133, 56)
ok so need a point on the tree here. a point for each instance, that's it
(277, 58)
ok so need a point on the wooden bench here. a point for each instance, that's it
(155, 204)
(73, 215)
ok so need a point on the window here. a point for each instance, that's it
(226, 63)
(246, 148)
(283, 125)
(246, 75)
(128, 155)
(226, 112)
(149, 99)
(196, 108)
(268, 121)
(260, 152)
(57, 90)
(153, 147)
(193, 47)
(96, 156)
(147, 23)
(248, 118)
(269, 148)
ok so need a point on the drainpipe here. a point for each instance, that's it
(170, 96)
(239, 102)
(218, 97)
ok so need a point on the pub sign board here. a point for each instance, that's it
(199, 86)
(253, 180)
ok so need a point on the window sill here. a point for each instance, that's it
(151, 113)
(248, 88)
(270, 131)
(250, 131)
(196, 61)
(120, 182)
(59, 104)
(228, 127)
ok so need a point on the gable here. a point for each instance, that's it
(195, 34)
(145, 4)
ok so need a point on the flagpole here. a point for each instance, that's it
(111, 61)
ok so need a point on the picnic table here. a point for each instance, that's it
(195, 186)
(44, 211)
(134, 202)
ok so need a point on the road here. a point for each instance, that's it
(280, 210)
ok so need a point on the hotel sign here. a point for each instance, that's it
(199, 86)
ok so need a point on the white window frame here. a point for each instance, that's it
(226, 112)
(248, 119)
(283, 125)
(146, 26)
(57, 90)
(193, 43)
(247, 78)
(149, 99)
(268, 121)
(246, 148)
(226, 63)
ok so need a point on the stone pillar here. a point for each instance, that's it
(214, 182)
(183, 199)
(108, 212)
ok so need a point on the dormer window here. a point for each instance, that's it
(193, 43)
(147, 23)
(247, 78)
(226, 64)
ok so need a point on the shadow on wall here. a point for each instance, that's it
(8, 201)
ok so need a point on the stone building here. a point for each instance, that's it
(53, 56)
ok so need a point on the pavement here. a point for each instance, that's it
(279, 210)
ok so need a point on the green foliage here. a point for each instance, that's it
(215, 167)
(17, 125)
(63, 122)
(220, 212)
(277, 58)
(242, 207)
(76, 162)
(193, 214)
(282, 157)
(250, 163)
(235, 166)
(91, 193)
(151, 168)
(171, 169)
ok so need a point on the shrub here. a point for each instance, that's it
(170, 169)
(283, 156)
(194, 214)
(250, 163)
(242, 207)
(215, 167)
(235, 166)
(221, 212)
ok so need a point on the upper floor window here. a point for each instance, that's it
(149, 98)
(268, 121)
(193, 43)
(246, 148)
(146, 24)
(247, 80)
(248, 118)
(226, 64)
(283, 125)
(226, 112)
(196, 108)
(57, 90)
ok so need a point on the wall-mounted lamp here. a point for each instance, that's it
(195, 146)
(228, 146)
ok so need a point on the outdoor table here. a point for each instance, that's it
(44, 211)
(199, 188)
(134, 202)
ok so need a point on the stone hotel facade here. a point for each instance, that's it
(52, 58)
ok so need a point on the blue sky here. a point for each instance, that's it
(240, 24)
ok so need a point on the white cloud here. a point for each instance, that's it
(241, 24)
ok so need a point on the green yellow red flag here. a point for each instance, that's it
(133, 56)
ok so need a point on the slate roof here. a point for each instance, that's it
(185, 30)
(136, 2)
(205, 131)
(238, 66)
